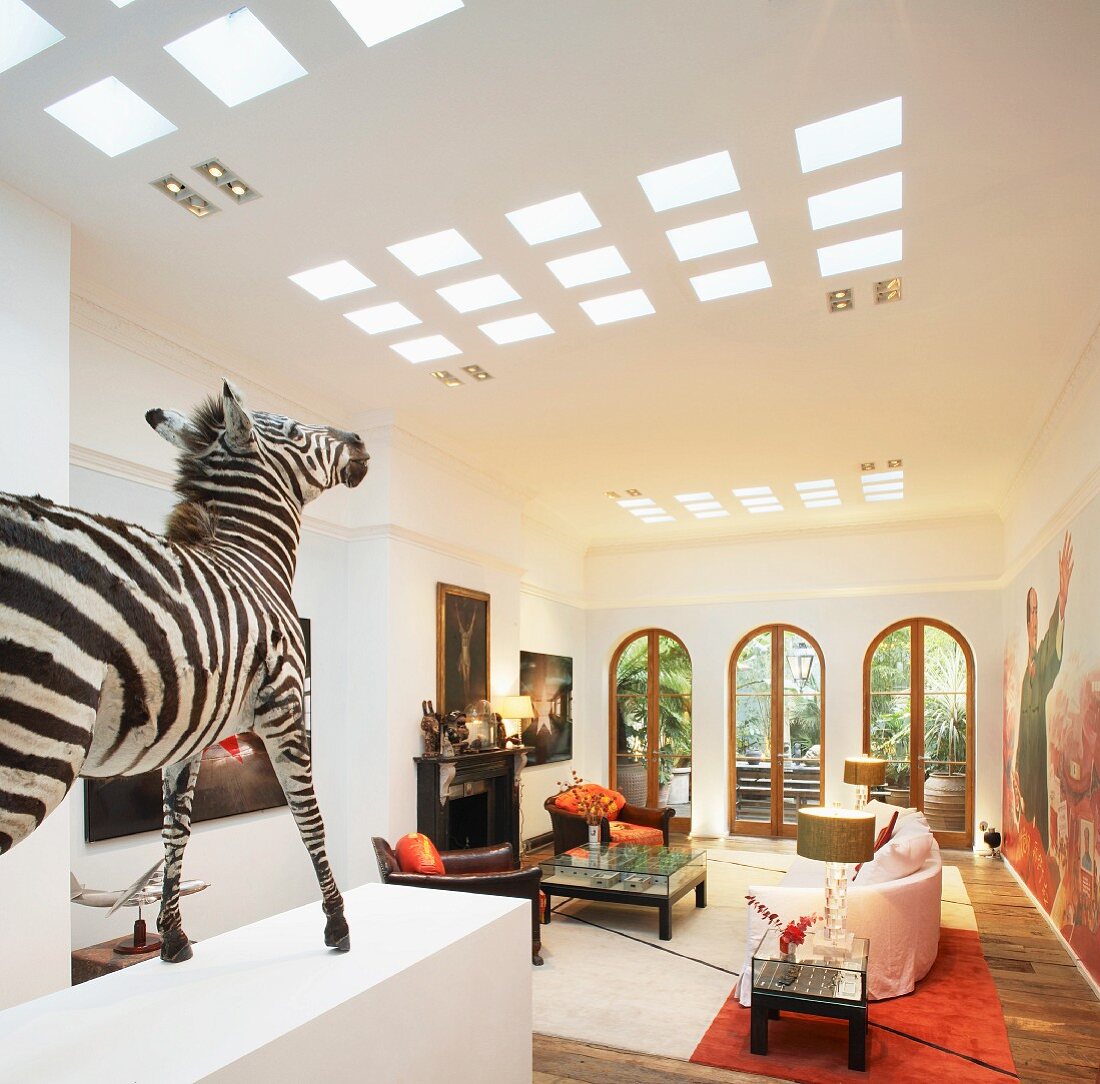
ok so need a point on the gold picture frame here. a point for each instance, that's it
(462, 647)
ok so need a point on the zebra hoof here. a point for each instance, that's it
(343, 945)
(337, 934)
(176, 948)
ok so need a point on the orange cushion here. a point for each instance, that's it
(416, 853)
(568, 800)
(621, 832)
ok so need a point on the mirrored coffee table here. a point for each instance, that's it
(627, 873)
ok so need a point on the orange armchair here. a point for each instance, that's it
(632, 824)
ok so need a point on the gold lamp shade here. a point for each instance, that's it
(865, 771)
(514, 707)
(836, 835)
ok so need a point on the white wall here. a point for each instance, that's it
(34, 439)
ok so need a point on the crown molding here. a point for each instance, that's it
(532, 590)
(393, 532)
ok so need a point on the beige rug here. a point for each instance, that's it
(609, 979)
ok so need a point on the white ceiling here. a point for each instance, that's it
(503, 104)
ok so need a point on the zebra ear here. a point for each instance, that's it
(238, 423)
(175, 428)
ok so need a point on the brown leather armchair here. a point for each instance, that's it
(486, 871)
(571, 829)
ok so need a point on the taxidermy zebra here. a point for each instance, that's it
(122, 650)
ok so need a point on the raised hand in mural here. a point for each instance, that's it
(1065, 571)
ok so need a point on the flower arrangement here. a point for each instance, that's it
(591, 805)
(793, 933)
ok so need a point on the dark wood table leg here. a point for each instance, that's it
(857, 1042)
(758, 1031)
(701, 893)
(546, 909)
(666, 921)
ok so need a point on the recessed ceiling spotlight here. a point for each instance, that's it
(429, 348)
(517, 328)
(226, 180)
(686, 498)
(585, 267)
(863, 200)
(561, 217)
(849, 135)
(612, 494)
(186, 197)
(633, 492)
(447, 379)
(873, 251)
(376, 21)
(714, 235)
(25, 33)
(732, 281)
(435, 252)
(888, 290)
(839, 300)
(868, 465)
(379, 318)
(111, 117)
(615, 307)
(894, 464)
(332, 280)
(690, 182)
(482, 293)
(477, 372)
(236, 57)
(636, 502)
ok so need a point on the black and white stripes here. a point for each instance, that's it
(122, 650)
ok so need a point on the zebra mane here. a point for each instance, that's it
(191, 521)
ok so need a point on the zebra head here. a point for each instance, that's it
(223, 434)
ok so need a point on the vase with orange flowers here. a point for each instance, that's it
(592, 804)
(790, 934)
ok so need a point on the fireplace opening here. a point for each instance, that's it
(469, 822)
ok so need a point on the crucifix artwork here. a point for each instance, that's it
(462, 647)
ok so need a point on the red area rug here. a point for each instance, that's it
(951, 1028)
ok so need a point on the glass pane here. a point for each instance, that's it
(674, 784)
(674, 730)
(631, 724)
(753, 781)
(890, 733)
(631, 779)
(944, 662)
(631, 674)
(801, 785)
(754, 727)
(801, 665)
(891, 662)
(802, 726)
(754, 665)
(675, 664)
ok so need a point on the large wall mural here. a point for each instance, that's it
(1051, 781)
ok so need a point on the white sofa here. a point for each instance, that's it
(900, 914)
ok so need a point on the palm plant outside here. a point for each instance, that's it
(801, 700)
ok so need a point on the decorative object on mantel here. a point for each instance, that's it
(431, 726)
(864, 772)
(481, 724)
(992, 840)
(515, 710)
(794, 933)
(462, 647)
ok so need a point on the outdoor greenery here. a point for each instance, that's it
(801, 702)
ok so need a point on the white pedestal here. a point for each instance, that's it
(437, 986)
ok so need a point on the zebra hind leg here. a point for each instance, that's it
(179, 790)
(288, 748)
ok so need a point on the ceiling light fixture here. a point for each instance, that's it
(856, 201)
(236, 57)
(173, 185)
(822, 502)
(381, 318)
(893, 464)
(25, 33)
(714, 235)
(849, 135)
(111, 117)
(888, 290)
(732, 281)
(690, 182)
(839, 300)
(703, 506)
(517, 328)
(561, 217)
(435, 252)
(616, 307)
(766, 508)
(612, 494)
(636, 502)
(475, 294)
(186, 197)
(884, 487)
(226, 180)
(883, 496)
(379, 20)
(633, 492)
(332, 280)
(753, 491)
(429, 348)
(477, 372)
(447, 379)
(659, 519)
(809, 487)
(684, 498)
(868, 465)
(585, 267)
(715, 514)
(883, 476)
(758, 502)
(872, 251)
(648, 512)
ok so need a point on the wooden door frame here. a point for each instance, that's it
(775, 828)
(653, 691)
(965, 838)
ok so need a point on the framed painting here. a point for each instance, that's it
(548, 681)
(236, 777)
(462, 647)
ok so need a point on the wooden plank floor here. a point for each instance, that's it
(1052, 1014)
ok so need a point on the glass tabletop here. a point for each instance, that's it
(629, 858)
(811, 951)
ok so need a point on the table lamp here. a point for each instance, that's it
(836, 837)
(515, 709)
(864, 772)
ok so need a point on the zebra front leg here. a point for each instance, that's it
(179, 790)
(284, 736)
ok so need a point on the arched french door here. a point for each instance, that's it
(922, 671)
(651, 722)
(777, 729)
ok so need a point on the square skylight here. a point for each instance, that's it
(684, 498)
(637, 502)
(121, 3)
(379, 20)
(236, 57)
(585, 267)
(659, 519)
(884, 487)
(865, 252)
(883, 476)
(753, 491)
(23, 33)
(690, 182)
(758, 502)
(809, 487)
(476, 294)
(822, 502)
(435, 252)
(883, 496)
(379, 318)
(731, 281)
(561, 217)
(849, 135)
(863, 200)
(766, 508)
(110, 116)
(517, 328)
(714, 235)
(614, 307)
(703, 506)
(648, 512)
(430, 348)
(712, 514)
(332, 280)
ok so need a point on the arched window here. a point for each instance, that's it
(923, 670)
(777, 729)
(651, 722)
